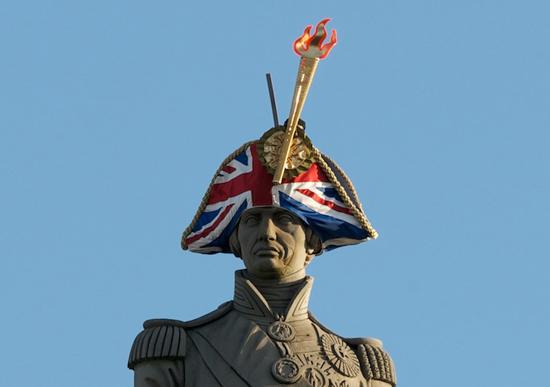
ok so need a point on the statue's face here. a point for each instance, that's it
(272, 242)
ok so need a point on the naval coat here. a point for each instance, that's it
(244, 343)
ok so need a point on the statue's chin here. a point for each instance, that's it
(271, 270)
(268, 267)
(268, 264)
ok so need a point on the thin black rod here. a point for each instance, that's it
(272, 98)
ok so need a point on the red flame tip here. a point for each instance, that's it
(312, 45)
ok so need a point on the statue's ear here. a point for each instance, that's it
(314, 246)
(234, 244)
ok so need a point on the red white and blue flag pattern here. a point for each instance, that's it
(244, 182)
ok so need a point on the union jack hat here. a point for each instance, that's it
(314, 188)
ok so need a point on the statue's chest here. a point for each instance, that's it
(310, 356)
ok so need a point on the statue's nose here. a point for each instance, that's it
(267, 230)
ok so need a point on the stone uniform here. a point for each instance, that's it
(244, 343)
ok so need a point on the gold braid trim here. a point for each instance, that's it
(357, 212)
(206, 196)
(347, 182)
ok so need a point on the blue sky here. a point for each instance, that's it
(115, 114)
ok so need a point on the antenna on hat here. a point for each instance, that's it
(272, 98)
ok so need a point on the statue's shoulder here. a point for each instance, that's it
(166, 338)
(375, 362)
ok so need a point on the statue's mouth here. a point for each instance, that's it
(267, 251)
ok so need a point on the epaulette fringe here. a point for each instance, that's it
(158, 341)
(376, 364)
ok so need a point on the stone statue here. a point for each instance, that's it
(266, 335)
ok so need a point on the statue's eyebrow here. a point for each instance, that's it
(284, 213)
(294, 218)
(251, 214)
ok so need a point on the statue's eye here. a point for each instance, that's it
(250, 220)
(285, 218)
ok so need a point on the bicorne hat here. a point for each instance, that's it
(314, 188)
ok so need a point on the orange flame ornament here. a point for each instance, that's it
(312, 46)
(312, 50)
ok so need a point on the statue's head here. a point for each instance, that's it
(273, 242)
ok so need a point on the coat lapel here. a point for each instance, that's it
(243, 345)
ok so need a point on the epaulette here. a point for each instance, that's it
(376, 364)
(166, 339)
(161, 339)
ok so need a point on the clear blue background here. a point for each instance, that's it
(115, 114)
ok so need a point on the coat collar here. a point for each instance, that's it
(249, 301)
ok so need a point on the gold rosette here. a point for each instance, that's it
(300, 156)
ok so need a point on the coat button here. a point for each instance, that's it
(281, 331)
(286, 370)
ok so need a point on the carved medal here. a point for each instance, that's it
(340, 355)
(314, 376)
(286, 370)
(318, 372)
(281, 331)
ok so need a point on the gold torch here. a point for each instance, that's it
(311, 50)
